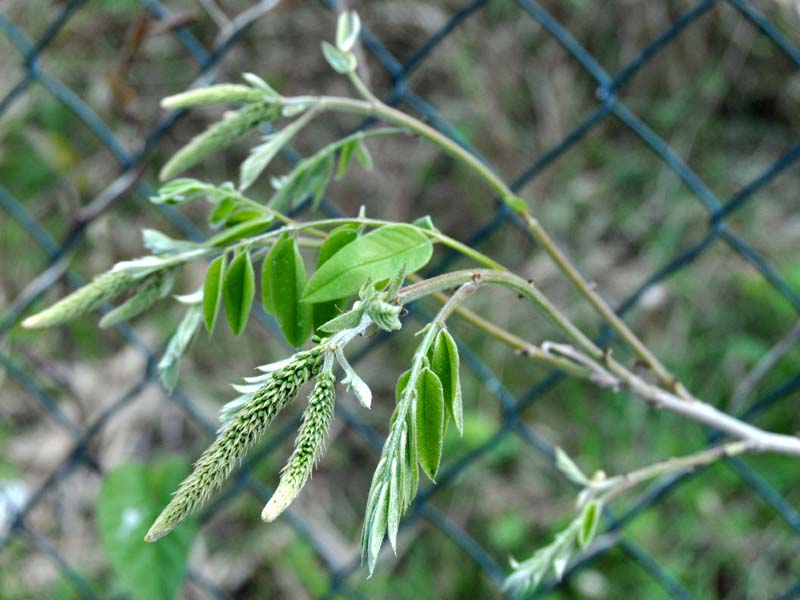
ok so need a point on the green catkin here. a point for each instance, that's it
(149, 292)
(308, 447)
(224, 93)
(217, 136)
(104, 287)
(216, 463)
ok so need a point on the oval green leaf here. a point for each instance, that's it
(337, 239)
(212, 291)
(430, 421)
(445, 363)
(375, 256)
(132, 496)
(238, 291)
(590, 520)
(286, 277)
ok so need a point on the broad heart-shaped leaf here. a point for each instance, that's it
(238, 290)
(375, 256)
(130, 499)
(430, 421)
(445, 363)
(337, 239)
(287, 279)
(212, 291)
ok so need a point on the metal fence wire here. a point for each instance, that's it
(608, 107)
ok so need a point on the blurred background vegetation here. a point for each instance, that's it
(722, 95)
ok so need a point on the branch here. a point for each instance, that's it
(589, 355)
(375, 108)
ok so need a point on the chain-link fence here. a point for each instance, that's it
(58, 248)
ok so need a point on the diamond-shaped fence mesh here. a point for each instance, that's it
(43, 84)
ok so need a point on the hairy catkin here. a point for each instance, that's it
(217, 136)
(308, 447)
(104, 287)
(216, 463)
(146, 294)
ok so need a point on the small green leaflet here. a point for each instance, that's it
(179, 191)
(169, 365)
(430, 421)
(240, 231)
(285, 278)
(375, 257)
(212, 291)
(341, 62)
(348, 27)
(345, 154)
(363, 156)
(262, 155)
(161, 244)
(425, 223)
(238, 291)
(131, 496)
(445, 363)
(411, 471)
(221, 212)
(590, 519)
(337, 239)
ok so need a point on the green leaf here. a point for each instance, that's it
(430, 421)
(240, 231)
(336, 240)
(311, 175)
(590, 520)
(130, 498)
(393, 510)
(221, 212)
(179, 191)
(169, 365)
(412, 457)
(568, 467)
(266, 278)
(346, 320)
(262, 155)
(445, 363)
(348, 27)
(341, 62)
(363, 155)
(243, 214)
(377, 527)
(375, 256)
(212, 291)
(425, 223)
(345, 154)
(286, 277)
(159, 243)
(259, 83)
(238, 291)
